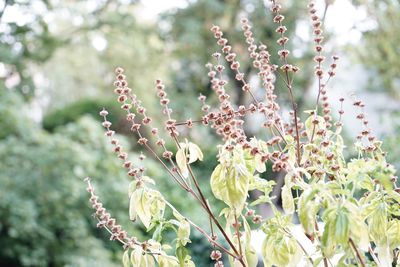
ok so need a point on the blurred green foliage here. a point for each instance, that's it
(379, 50)
(74, 111)
(44, 216)
(193, 44)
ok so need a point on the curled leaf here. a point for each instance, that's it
(187, 154)
(230, 186)
(287, 199)
(184, 232)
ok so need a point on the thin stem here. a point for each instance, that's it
(288, 84)
(214, 243)
(376, 260)
(188, 189)
(319, 239)
(208, 209)
(396, 254)
(294, 107)
(198, 228)
(211, 224)
(238, 235)
(357, 252)
(212, 216)
(301, 246)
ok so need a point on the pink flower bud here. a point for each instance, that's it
(127, 164)
(167, 154)
(142, 141)
(106, 124)
(103, 113)
(119, 70)
(215, 255)
(110, 133)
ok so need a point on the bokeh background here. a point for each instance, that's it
(56, 69)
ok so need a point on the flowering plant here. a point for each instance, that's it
(348, 210)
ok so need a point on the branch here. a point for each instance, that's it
(357, 252)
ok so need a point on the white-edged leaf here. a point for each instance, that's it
(230, 186)
(125, 259)
(195, 153)
(181, 161)
(287, 199)
(184, 232)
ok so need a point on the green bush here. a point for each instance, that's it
(74, 111)
(43, 202)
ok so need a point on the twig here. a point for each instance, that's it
(376, 260)
(357, 252)
(301, 246)
(319, 239)
(238, 235)
(210, 239)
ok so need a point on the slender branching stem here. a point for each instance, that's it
(237, 226)
(357, 252)
(325, 260)
(301, 246)
(198, 228)
(206, 206)
(376, 260)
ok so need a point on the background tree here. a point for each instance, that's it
(187, 31)
(380, 44)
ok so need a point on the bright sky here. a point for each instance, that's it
(341, 17)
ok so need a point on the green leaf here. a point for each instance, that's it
(146, 204)
(287, 199)
(230, 186)
(194, 153)
(307, 210)
(394, 233)
(378, 225)
(187, 154)
(167, 261)
(342, 228)
(136, 256)
(125, 259)
(148, 261)
(328, 240)
(181, 161)
(281, 250)
(358, 227)
(251, 256)
(132, 206)
(181, 253)
(184, 232)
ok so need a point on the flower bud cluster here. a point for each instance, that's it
(230, 57)
(204, 106)
(226, 122)
(370, 144)
(170, 124)
(261, 61)
(105, 219)
(318, 39)
(132, 171)
(326, 109)
(127, 95)
(281, 29)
